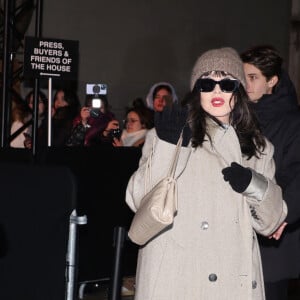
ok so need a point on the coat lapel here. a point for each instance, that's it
(225, 142)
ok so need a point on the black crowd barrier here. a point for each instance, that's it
(101, 175)
(35, 206)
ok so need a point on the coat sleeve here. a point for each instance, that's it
(153, 166)
(136, 185)
(269, 212)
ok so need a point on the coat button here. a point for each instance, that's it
(254, 284)
(204, 225)
(212, 277)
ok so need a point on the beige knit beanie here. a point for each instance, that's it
(223, 59)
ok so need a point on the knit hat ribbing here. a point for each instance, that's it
(223, 59)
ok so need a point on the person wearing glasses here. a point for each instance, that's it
(274, 100)
(227, 194)
(139, 119)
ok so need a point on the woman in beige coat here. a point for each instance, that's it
(226, 192)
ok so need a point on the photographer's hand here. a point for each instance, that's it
(113, 124)
(117, 143)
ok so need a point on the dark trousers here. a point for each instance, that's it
(277, 290)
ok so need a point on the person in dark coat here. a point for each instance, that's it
(90, 125)
(65, 107)
(274, 100)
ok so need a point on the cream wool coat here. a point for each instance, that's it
(211, 251)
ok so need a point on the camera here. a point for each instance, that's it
(96, 105)
(115, 133)
(96, 89)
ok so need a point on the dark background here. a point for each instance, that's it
(130, 45)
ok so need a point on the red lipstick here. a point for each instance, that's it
(216, 102)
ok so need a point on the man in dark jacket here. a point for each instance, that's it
(274, 100)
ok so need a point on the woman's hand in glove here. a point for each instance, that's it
(170, 122)
(238, 177)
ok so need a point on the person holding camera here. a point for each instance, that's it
(92, 125)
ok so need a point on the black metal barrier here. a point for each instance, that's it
(101, 176)
(35, 206)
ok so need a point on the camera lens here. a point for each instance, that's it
(115, 133)
(96, 89)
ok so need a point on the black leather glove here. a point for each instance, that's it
(170, 122)
(238, 177)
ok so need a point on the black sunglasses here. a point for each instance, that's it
(207, 85)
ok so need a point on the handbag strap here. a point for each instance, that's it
(172, 169)
(148, 171)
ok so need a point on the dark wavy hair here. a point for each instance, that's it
(161, 87)
(265, 58)
(241, 118)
